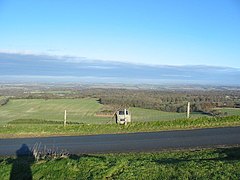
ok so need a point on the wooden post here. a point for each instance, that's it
(188, 110)
(125, 112)
(65, 117)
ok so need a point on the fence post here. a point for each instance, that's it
(188, 110)
(65, 117)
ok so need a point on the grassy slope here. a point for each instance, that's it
(230, 111)
(201, 164)
(143, 115)
(24, 130)
(83, 110)
(78, 110)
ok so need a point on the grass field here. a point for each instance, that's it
(143, 115)
(221, 163)
(230, 111)
(78, 110)
(39, 117)
(83, 111)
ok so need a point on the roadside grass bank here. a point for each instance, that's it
(218, 163)
(27, 128)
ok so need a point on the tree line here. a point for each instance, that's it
(172, 101)
(4, 101)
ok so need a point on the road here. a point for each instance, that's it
(134, 142)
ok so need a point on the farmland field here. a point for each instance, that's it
(229, 111)
(78, 110)
(82, 111)
(141, 115)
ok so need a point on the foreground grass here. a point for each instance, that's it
(51, 129)
(222, 163)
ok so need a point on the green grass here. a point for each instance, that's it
(78, 110)
(83, 111)
(39, 121)
(48, 129)
(221, 163)
(230, 111)
(39, 117)
(143, 115)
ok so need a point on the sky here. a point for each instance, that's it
(163, 32)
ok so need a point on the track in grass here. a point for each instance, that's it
(78, 110)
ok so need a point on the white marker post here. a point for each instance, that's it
(125, 113)
(65, 117)
(188, 110)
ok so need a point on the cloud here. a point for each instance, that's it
(19, 52)
(50, 66)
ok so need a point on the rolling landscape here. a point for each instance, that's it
(37, 111)
(141, 90)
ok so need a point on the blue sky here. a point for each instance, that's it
(167, 32)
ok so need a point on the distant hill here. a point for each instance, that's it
(44, 68)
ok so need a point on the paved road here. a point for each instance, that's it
(153, 141)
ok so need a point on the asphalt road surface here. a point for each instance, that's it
(135, 142)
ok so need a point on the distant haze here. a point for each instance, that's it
(43, 68)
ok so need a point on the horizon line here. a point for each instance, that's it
(79, 59)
